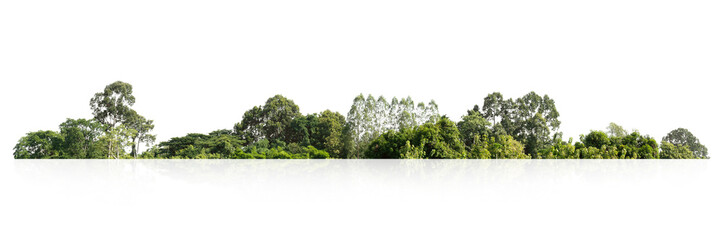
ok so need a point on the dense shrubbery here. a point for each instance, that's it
(374, 128)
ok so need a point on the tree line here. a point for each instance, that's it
(526, 127)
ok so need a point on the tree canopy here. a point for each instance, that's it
(526, 127)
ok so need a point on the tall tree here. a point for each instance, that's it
(370, 117)
(112, 107)
(141, 127)
(494, 107)
(683, 137)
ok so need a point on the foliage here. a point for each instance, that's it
(368, 118)
(672, 151)
(430, 140)
(683, 137)
(271, 121)
(40, 144)
(531, 119)
(374, 128)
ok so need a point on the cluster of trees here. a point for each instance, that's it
(116, 130)
(526, 127)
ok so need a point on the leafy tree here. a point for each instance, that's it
(331, 127)
(141, 127)
(683, 137)
(531, 119)
(672, 151)
(113, 106)
(494, 107)
(472, 128)
(596, 139)
(271, 121)
(506, 147)
(250, 127)
(615, 130)
(40, 144)
(430, 140)
(370, 117)
(81, 137)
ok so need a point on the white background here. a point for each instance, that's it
(197, 66)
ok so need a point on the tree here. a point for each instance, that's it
(250, 126)
(615, 130)
(494, 107)
(271, 121)
(672, 151)
(533, 119)
(40, 144)
(472, 128)
(142, 127)
(430, 140)
(596, 139)
(81, 137)
(369, 117)
(683, 137)
(331, 127)
(506, 147)
(113, 106)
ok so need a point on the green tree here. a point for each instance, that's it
(494, 107)
(40, 144)
(81, 138)
(615, 130)
(271, 121)
(506, 147)
(672, 151)
(113, 107)
(683, 137)
(430, 140)
(369, 117)
(141, 127)
(331, 127)
(472, 128)
(596, 139)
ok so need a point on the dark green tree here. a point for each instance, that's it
(271, 121)
(81, 138)
(473, 128)
(40, 144)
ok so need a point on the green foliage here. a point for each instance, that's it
(374, 128)
(217, 144)
(506, 147)
(672, 151)
(40, 144)
(530, 119)
(596, 139)
(430, 140)
(473, 127)
(141, 127)
(615, 130)
(683, 137)
(271, 121)
(81, 138)
(368, 118)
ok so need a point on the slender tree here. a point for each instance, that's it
(112, 107)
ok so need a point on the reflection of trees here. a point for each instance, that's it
(343, 173)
